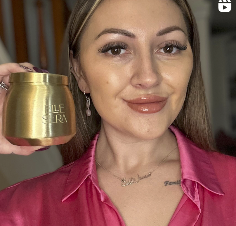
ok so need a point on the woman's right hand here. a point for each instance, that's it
(5, 146)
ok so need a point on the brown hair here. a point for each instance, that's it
(193, 118)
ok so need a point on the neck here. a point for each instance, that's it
(128, 155)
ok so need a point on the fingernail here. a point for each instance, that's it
(26, 68)
(43, 149)
(40, 70)
(45, 71)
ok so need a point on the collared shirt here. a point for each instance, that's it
(72, 196)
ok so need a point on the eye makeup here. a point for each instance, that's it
(113, 45)
(115, 48)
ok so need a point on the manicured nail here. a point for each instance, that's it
(43, 149)
(45, 71)
(40, 70)
(26, 68)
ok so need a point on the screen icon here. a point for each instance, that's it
(224, 6)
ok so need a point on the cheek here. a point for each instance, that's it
(178, 78)
(183, 73)
(183, 85)
(104, 77)
(105, 84)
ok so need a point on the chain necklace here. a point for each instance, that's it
(125, 182)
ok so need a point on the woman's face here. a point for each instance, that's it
(137, 61)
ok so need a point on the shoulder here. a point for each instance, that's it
(47, 177)
(35, 188)
(222, 161)
(33, 199)
(225, 169)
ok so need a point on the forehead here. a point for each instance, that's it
(137, 15)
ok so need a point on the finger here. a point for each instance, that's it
(31, 67)
(22, 152)
(27, 67)
(26, 150)
(7, 148)
(5, 79)
(3, 93)
(7, 69)
(27, 64)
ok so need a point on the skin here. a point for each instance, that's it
(132, 142)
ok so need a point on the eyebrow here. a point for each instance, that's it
(131, 35)
(170, 29)
(116, 31)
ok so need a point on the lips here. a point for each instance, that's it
(147, 104)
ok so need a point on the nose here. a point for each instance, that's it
(146, 73)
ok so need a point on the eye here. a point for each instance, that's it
(114, 49)
(169, 49)
(172, 48)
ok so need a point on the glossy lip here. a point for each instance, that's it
(147, 104)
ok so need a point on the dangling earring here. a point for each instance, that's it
(88, 111)
(71, 73)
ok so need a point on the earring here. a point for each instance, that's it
(71, 73)
(88, 111)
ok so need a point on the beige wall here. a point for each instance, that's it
(15, 168)
(202, 10)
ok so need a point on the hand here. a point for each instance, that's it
(5, 70)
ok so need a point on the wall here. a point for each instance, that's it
(202, 10)
(223, 47)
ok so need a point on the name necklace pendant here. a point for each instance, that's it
(132, 180)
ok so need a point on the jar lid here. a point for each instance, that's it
(33, 77)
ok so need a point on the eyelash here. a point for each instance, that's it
(110, 46)
(176, 45)
(121, 45)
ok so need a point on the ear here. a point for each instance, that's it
(75, 68)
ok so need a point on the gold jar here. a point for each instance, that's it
(39, 110)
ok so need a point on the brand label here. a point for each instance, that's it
(54, 113)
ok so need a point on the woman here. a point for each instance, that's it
(139, 63)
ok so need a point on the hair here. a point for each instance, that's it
(193, 119)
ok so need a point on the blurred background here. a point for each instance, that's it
(32, 31)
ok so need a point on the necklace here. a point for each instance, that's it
(132, 180)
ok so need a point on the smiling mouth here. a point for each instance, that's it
(147, 104)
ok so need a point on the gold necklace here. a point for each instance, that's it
(133, 180)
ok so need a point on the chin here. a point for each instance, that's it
(150, 133)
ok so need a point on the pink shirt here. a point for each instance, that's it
(71, 195)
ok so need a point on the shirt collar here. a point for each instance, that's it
(195, 166)
(81, 169)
